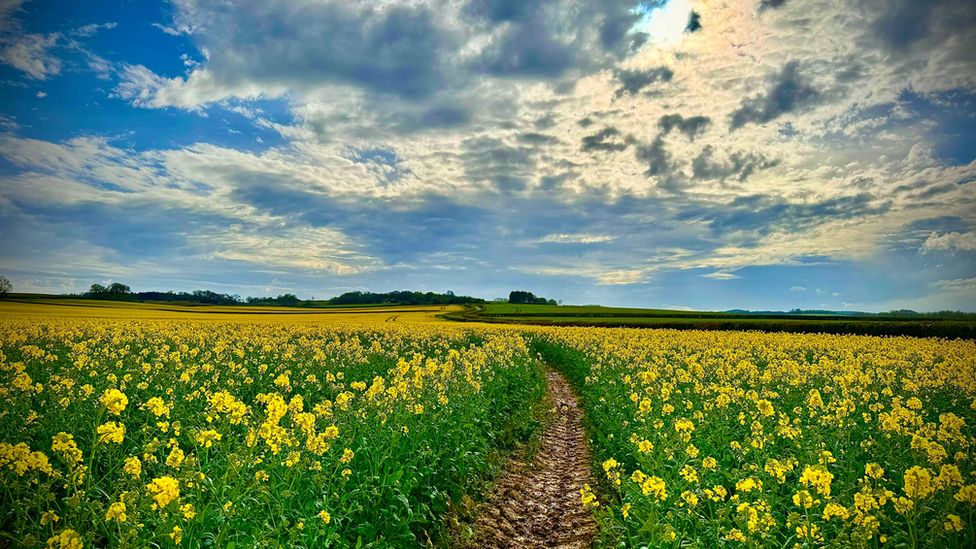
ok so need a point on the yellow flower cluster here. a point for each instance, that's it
(777, 439)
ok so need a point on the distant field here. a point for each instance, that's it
(90, 308)
(573, 315)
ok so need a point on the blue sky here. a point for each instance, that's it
(812, 154)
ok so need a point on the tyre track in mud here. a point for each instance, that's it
(538, 504)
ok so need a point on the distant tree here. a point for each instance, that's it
(119, 288)
(97, 289)
(5, 286)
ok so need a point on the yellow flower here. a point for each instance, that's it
(709, 463)
(625, 510)
(966, 494)
(918, 483)
(175, 458)
(176, 535)
(325, 516)
(834, 510)
(817, 477)
(116, 512)
(690, 498)
(164, 490)
(874, 470)
(157, 407)
(655, 486)
(114, 400)
(588, 497)
(645, 446)
(804, 499)
(188, 511)
(261, 476)
(736, 535)
(748, 484)
(689, 474)
(207, 438)
(49, 517)
(67, 539)
(111, 432)
(64, 444)
(347, 456)
(133, 466)
(953, 523)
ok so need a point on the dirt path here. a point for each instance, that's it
(538, 504)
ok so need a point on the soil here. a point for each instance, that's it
(538, 504)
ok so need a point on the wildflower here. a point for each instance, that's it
(953, 523)
(736, 535)
(966, 494)
(64, 444)
(918, 483)
(188, 510)
(804, 499)
(163, 490)
(748, 484)
(325, 516)
(347, 456)
(111, 432)
(115, 401)
(49, 517)
(132, 466)
(157, 407)
(67, 539)
(261, 476)
(817, 477)
(655, 486)
(834, 510)
(645, 446)
(625, 510)
(689, 474)
(873, 470)
(207, 438)
(175, 458)
(588, 497)
(709, 463)
(690, 498)
(176, 535)
(116, 512)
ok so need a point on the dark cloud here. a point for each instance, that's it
(770, 4)
(694, 22)
(762, 214)
(505, 167)
(398, 49)
(537, 139)
(693, 126)
(788, 92)
(608, 139)
(634, 81)
(658, 159)
(739, 165)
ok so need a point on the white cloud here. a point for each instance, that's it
(30, 54)
(581, 238)
(798, 289)
(956, 285)
(721, 275)
(950, 241)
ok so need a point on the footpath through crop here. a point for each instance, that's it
(538, 504)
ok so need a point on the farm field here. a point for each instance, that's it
(592, 315)
(133, 426)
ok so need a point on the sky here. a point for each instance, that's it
(759, 154)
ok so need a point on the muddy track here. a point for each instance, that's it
(538, 504)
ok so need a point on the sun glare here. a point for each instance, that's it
(663, 21)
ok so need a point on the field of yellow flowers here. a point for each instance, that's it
(137, 433)
(711, 439)
(213, 430)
